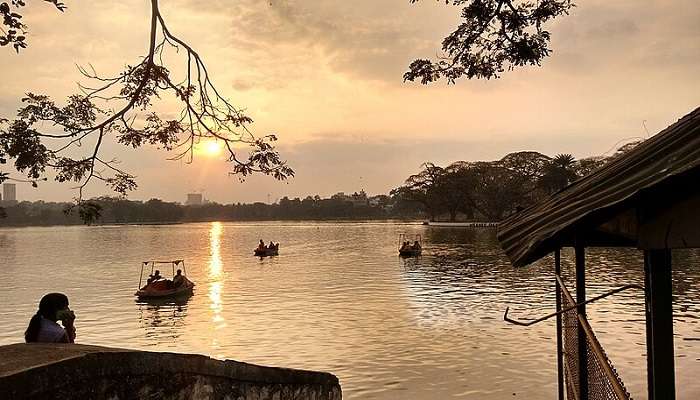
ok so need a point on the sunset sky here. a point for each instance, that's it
(326, 77)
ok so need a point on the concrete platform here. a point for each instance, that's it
(70, 371)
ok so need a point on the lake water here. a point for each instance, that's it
(339, 299)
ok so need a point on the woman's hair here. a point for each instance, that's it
(49, 305)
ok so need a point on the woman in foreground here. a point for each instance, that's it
(43, 327)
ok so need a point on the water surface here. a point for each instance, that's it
(339, 299)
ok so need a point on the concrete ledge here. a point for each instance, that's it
(62, 371)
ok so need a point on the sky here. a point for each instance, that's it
(325, 76)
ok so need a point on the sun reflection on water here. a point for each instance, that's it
(216, 275)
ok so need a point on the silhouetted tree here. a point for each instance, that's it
(426, 188)
(45, 135)
(494, 35)
(14, 31)
(586, 166)
(529, 164)
(456, 188)
(558, 173)
(488, 190)
(499, 191)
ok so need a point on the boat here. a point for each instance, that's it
(267, 252)
(161, 288)
(410, 251)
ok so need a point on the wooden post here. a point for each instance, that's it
(659, 322)
(647, 318)
(580, 298)
(560, 351)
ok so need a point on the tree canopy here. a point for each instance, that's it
(64, 141)
(116, 210)
(13, 32)
(492, 190)
(493, 36)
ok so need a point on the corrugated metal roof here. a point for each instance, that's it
(538, 230)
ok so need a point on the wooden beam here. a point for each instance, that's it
(596, 236)
(659, 322)
(622, 224)
(671, 226)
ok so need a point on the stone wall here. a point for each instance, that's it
(63, 371)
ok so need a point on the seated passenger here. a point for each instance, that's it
(178, 279)
(271, 246)
(156, 276)
(404, 246)
(416, 245)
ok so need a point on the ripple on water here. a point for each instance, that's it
(339, 299)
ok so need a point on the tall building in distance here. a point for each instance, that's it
(194, 199)
(9, 192)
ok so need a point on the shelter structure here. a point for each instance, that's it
(648, 198)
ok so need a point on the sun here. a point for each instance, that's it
(209, 148)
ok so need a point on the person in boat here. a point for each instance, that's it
(156, 276)
(272, 245)
(261, 245)
(178, 279)
(43, 327)
(416, 246)
(404, 246)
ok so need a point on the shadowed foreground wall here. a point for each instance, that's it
(56, 371)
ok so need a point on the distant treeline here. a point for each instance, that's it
(463, 190)
(493, 190)
(115, 210)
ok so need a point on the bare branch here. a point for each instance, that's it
(43, 132)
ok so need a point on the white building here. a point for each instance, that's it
(9, 192)
(194, 199)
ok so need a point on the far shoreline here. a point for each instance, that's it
(168, 223)
(413, 221)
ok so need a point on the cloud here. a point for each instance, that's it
(279, 42)
(287, 40)
(627, 35)
(326, 76)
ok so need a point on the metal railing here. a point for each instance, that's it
(604, 383)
